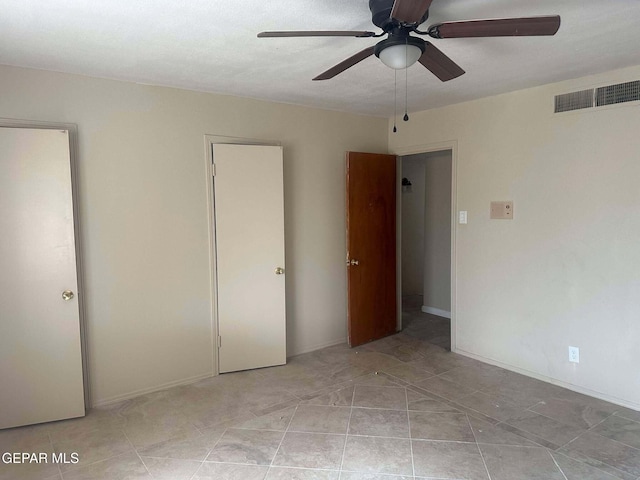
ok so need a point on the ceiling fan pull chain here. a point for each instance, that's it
(395, 99)
(406, 82)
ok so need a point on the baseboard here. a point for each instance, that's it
(544, 378)
(436, 311)
(136, 393)
(313, 348)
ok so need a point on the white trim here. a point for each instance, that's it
(436, 311)
(144, 391)
(451, 145)
(313, 348)
(209, 141)
(554, 381)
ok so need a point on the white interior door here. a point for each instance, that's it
(249, 228)
(40, 357)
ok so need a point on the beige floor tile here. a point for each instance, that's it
(310, 450)
(488, 433)
(448, 460)
(340, 397)
(571, 413)
(124, 467)
(380, 397)
(225, 471)
(445, 388)
(179, 448)
(605, 454)
(93, 446)
(378, 455)
(320, 419)
(379, 422)
(170, 468)
(520, 463)
(440, 426)
(28, 471)
(252, 447)
(149, 430)
(575, 470)
(371, 476)
(278, 420)
(288, 473)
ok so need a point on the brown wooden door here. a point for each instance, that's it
(371, 246)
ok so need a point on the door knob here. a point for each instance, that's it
(353, 262)
(67, 295)
(279, 271)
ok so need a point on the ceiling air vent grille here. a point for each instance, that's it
(574, 101)
(620, 93)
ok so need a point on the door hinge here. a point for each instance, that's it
(219, 341)
(213, 169)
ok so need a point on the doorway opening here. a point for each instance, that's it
(426, 245)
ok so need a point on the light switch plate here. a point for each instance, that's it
(502, 210)
(462, 217)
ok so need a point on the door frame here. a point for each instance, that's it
(451, 145)
(209, 142)
(72, 128)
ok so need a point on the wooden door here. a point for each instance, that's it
(371, 246)
(249, 226)
(40, 356)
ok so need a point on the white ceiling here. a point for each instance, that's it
(211, 45)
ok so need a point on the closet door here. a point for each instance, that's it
(249, 229)
(40, 356)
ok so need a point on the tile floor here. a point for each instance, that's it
(397, 409)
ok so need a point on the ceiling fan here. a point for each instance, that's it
(399, 18)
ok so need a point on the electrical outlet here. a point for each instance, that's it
(574, 354)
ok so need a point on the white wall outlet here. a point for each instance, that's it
(574, 354)
(462, 217)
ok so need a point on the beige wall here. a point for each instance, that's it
(413, 226)
(437, 233)
(565, 270)
(143, 213)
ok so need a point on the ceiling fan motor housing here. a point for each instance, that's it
(399, 40)
(381, 14)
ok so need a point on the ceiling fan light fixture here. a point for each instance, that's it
(399, 52)
(400, 57)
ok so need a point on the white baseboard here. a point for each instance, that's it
(436, 311)
(136, 393)
(544, 378)
(313, 348)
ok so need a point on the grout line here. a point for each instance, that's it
(53, 449)
(284, 434)
(558, 466)
(589, 430)
(136, 450)
(413, 465)
(346, 437)
(478, 446)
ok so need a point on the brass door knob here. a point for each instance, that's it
(67, 295)
(353, 262)
(279, 271)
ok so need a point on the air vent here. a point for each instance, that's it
(574, 101)
(598, 97)
(620, 93)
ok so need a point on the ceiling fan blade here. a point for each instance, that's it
(439, 64)
(320, 33)
(500, 27)
(342, 66)
(410, 11)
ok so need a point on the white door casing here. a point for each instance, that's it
(249, 236)
(41, 374)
